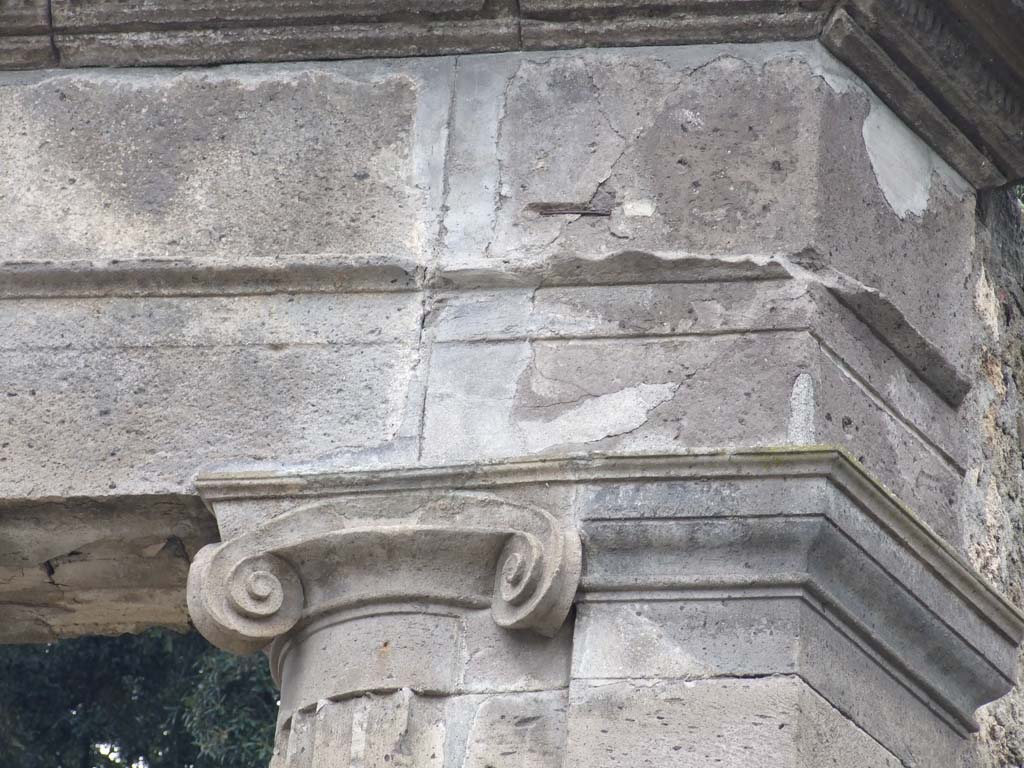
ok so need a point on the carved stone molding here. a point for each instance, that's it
(748, 564)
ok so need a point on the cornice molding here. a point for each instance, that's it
(205, 277)
(834, 464)
(953, 69)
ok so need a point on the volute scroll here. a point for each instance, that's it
(323, 561)
(242, 604)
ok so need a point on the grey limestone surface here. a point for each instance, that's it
(219, 164)
(276, 272)
(405, 728)
(952, 70)
(771, 721)
(364, 263)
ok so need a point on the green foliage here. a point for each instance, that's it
(232, 709)
(159, 699)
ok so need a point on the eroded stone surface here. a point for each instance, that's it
(327, 266)
(404, 728)
(772, 722)
(218, 164)
(113, 397)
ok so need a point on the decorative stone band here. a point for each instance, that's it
(699, 565)
(952, 69)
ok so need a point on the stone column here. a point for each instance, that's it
(407, 621)
(746, 608)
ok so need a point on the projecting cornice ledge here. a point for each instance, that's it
(952, 69)
(754, 563)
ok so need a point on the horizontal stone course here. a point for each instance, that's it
(931, 61)
(217, 166)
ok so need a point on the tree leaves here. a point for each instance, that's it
(159, 699)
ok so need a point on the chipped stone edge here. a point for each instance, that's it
(205, 277)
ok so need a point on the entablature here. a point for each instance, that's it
(951, 69)
(760, 562)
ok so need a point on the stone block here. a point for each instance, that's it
(408, 729)
(669, 152)
(776, 722)
(236, 163)
(899, 212)
(711, 579)
(490, 400)
(582, 23)
(380, 649)
(25, 35)
(71, 16)
(752, 362)
(906, 457)
(104, 33)
(132, 396)
(526, 730)
(84, 566)
(678, 154)
(653, 309)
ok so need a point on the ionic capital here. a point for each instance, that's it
(340, 554)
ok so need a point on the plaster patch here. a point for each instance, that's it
(801, 412)
(901, 161)
(638, 208)
(904, 165)
(599, 417)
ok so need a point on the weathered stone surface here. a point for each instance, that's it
(711, 252)
(375, 341)
(777, 721)
(84, 566)
(581, 23)
(404, 728)
(513, 399)
(953, 62)
(581, 131)
(888, 181)
(654, 367)
(677, 585)
(990, 507)
(951, 69)
(25, 35)
(174, 32)
(221, 165)
(853, 45)
(133, 396)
